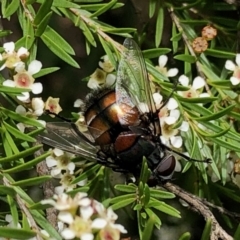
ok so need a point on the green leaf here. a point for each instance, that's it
(197, 100)
(185, 236)
(86, 174)
(25, 41)
(20, 118)
(146, 195)
(46, 71)
(159, 194)
(103, 9)
(209, 73)
(22, 154)
(58, 40)
(123, 197)
(219, 53)
(12, 90)
(41, 220)
(42, 25)
(176, 37)
(43, 11)
(163, 207)
(17, 134)
(123, 203)
(126, 188)
(32, 181)
(108, 51)
(27, 165)
(145, 173)
(213, 135)
(58, 46)
(95, 7)
(207, 230)
(4, 33)
(11, 8)
(13, 209)
(4, 190)
(186, 58)
(155, 52)
(8, 232)
(87, 33)
(237, 233)
(215, 115)
(152, 8)
(229, 145)
(159, 27)
(223, 84)
(148, 229)
(119, 31)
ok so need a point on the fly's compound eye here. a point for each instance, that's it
(165, 168)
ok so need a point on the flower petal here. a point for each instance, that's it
(34, 67)
(184, 127)
(110, 80)
(172, 72)
(21, 127)
(68, 234)
(184, 80)
(93, 83)
(170, 120)
(22, 51)
(229, 65)
(9, 47)
(238, 59)
(9, 83)
(172, 104)
(99, 223)
(176, 141)
(20, 110)
(58, 152)
(24, 97)
(203, 95)
(235, 81)
(37, 88)
(157, 97)
(20, 67)
(198, 82)
(162, 60)
(51, 162)
(78, 103)
(65, 217)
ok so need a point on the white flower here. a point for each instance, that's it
(78, 103)
(59, 161)
(193, 92)
(162, 61)
(24, 79)
(97, 78)
(11, 57)
(230, 65)
(106, 65)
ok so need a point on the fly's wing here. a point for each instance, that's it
(133, 86)
(63, 135)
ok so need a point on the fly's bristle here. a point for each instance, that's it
(94, 96)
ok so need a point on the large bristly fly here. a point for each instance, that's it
(122, 124)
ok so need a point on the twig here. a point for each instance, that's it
(199, 205)
(24, 209)
(48, 189)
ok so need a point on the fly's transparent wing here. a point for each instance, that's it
(133, 86)
(63, 135)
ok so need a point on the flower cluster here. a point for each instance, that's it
(84, 218)
(62, 168)
(102, 76)
(23, 78)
